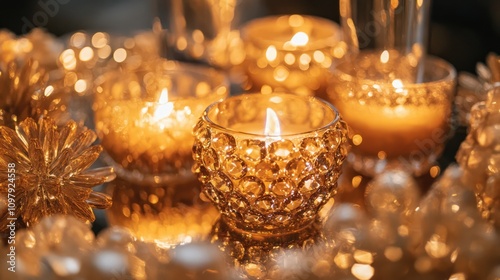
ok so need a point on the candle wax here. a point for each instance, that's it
(396, 131)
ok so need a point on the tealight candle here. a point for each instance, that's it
(395, 120)
(291, 53)
(145, 119)
(268, 168)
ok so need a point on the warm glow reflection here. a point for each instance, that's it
(272, 127)
(384, 57)
(397, 83)
(299, 39)
(164, 108)
(271, 53)
(362, 271)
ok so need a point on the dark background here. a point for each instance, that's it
(461, 31)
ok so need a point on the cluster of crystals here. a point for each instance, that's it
(441, 236)
(50, 172)
(472, 89)
(479, 156)
(28, 78)
(61, 247)
(371, 79)
(259, 186)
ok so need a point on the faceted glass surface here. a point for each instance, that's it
(267, 179)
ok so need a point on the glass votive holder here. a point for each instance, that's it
(396, 121)
(269, 162)
(291, 53)
(145, 119)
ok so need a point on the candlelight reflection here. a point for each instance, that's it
(166, 214)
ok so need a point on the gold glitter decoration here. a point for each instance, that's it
(52, 175)
(473, 88)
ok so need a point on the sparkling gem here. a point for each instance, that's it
(221, 182)
(252, 150)
(267, 171)
(210, 159)
(251, 187)
(282, 150)
(282, 187)
(224, 143)
(235, 167)
(310, 146)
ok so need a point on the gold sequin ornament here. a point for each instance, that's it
(51, 172)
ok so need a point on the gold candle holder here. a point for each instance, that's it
(291, 53)
(396, 121)
(145, 118)
(269, 162)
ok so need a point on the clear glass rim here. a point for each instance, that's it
(251, 95)
(434, 60)
(215, 77)
(320, 43)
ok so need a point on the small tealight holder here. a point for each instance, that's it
(145, 118)
(396, 122)
(291, 53)
(269, 162)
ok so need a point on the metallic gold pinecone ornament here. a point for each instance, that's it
(47, 166)
(479, 155)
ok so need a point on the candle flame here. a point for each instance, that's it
(272, 127)
(164, 108)
(299, 39)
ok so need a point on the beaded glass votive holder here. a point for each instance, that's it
(269, 162)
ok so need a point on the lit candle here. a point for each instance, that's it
(268, 169)
(291, 52)
(145, 120)
(395, 121)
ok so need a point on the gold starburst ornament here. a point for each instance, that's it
(44, 168)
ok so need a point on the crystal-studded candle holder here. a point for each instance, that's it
(396, 122)
(145, 119)
(269, 162)
(291, 53)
